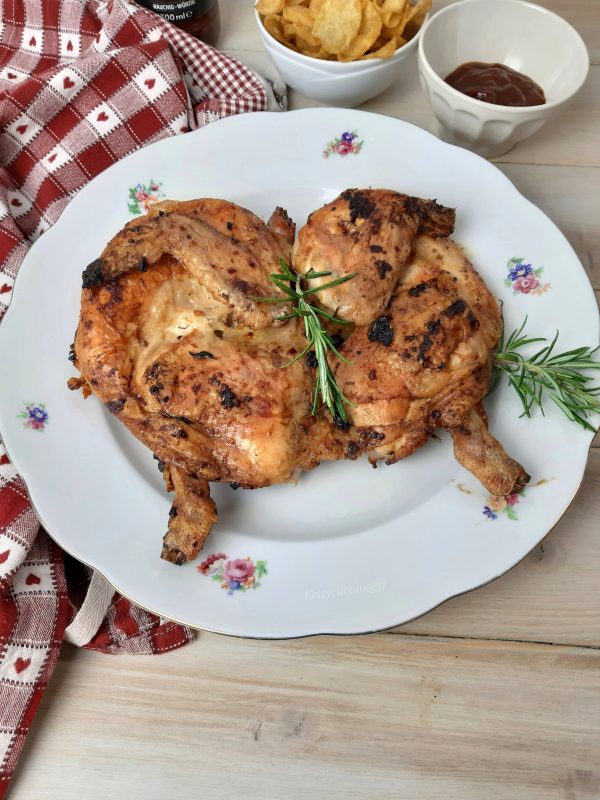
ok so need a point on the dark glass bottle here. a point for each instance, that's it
(198, 17)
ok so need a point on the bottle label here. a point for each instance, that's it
(177, 10)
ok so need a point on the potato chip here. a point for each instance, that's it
(270, 6)
(392, 11)
(396, 31)
(343, 30)
(417, 11)
(385, 51)
(337, 24)
(302, 35)
(368, 33)
(274, 25)
(379, 42)
(315, 5)
(321, 53)
(300, 15)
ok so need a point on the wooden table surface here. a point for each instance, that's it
(494, 695)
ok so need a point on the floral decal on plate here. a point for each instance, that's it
(143, 196)
(234, 574)
(524, 278)
(34, 416)
(344, 145)
(494, 505)
(503, 505)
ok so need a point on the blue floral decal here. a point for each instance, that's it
(34, 416)
(503, 505)
(343, 145)
(523, 278)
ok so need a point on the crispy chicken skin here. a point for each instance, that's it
(193, 375)
(226, 248)
(173, 339)
(426, 363)
(477, 450)
(369, 233)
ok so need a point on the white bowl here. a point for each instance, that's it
(520, 35)
(335, 83)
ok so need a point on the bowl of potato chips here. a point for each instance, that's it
(340, 52)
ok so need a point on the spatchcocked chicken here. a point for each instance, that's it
(175, 340)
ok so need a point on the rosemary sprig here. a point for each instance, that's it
(317, 337)
(546, 373)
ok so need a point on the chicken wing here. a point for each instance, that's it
(367, 233)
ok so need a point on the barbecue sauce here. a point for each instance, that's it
(198, 17)
(496, 83)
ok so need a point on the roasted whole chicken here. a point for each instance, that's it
(177, 339)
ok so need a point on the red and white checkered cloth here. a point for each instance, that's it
(82, 84)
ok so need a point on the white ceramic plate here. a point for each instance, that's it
(349, 549)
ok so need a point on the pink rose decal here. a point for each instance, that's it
(502, 505)
(239, 569)
(144, 196)
(343, 148)
(343, 145)
(524, 278)
(234, 574)
(525, 284)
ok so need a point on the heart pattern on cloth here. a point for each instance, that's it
(32, 42)
(149, 82)
(21, 664)
(16, 202)
(43, 112)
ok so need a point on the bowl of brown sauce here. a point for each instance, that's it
(496, 71)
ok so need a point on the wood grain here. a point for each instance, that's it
(570, 196)
(553, 595)
(381, 717)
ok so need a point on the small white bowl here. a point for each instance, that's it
(523, 36)
(335, 83)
